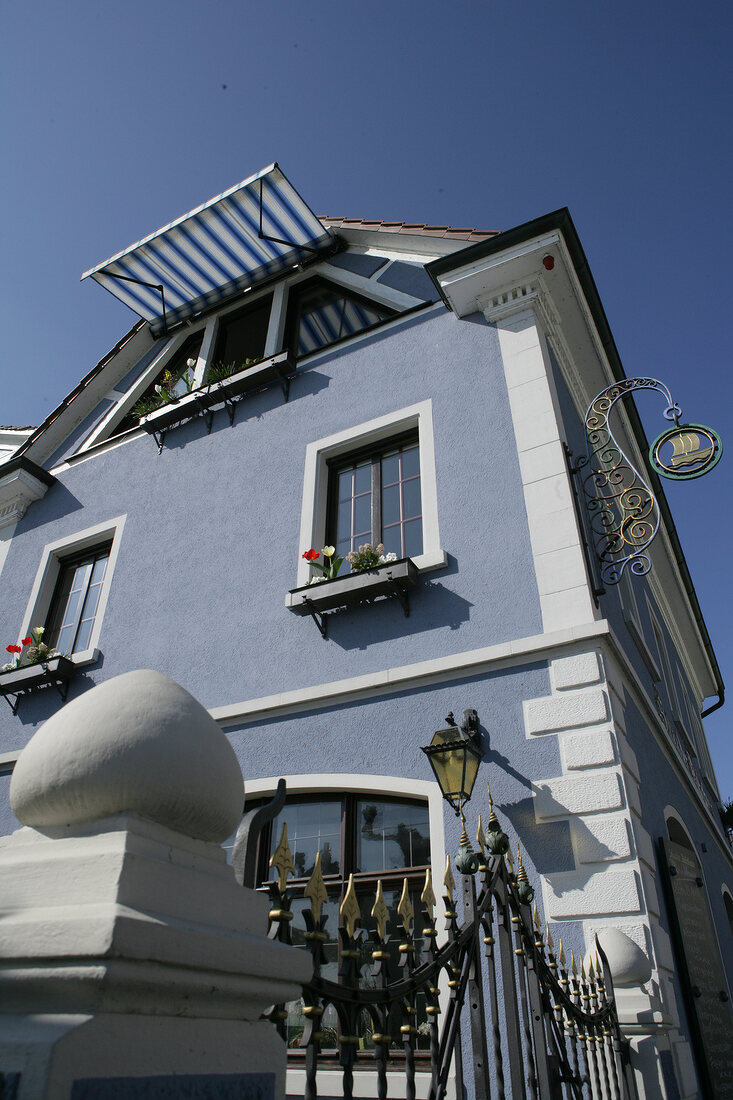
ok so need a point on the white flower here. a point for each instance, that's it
(317, 580)
(384, 558)
(190, 363)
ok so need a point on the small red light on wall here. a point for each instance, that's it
(548, 262)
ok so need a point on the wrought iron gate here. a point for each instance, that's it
(539, 1027)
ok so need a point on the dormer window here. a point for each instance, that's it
(321, 313)
(241, 335)
(176, 377)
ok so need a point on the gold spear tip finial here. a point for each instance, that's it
(493, 819)
(561, 954)
(404, 909)
(480, 835)
(349, 909)
(537, 921)
(282, 859)
(428, 894)
(448, 881)
(315, 890)
(380, 912)
(548, 937)
(521, 873)
(573, 967)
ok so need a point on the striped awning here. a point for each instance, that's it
(235, 240)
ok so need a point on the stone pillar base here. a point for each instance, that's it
(60, 1057)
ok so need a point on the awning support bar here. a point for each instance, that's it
(279, 240)
(153, 286)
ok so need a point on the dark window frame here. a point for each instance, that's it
(374, 452)
(56, 612)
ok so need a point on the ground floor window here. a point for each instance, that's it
(372, 837)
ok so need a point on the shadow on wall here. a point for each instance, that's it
(57, 502)
(44, 701)
(252, 406)
(548, 845)
(385, 620)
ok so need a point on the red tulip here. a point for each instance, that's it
(14, 648)
(28, 640)
(310, 555)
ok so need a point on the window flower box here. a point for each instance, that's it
(277, 369)
(57, 671)
(393, 579)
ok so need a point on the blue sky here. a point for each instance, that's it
(119, 118)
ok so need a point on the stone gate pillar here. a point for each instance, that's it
(132, 965)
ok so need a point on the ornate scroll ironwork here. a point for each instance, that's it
(536, 1028)
(623, 510)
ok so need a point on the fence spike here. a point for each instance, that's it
(548, 937)
(573, 967)
(428, 895)
(493, 819)
(349, 909)
(481, 836)
(537, 921)
(316, 891)
(404, 908)
(282, 859)
(380, 912)
(448, 881)
(561, 955)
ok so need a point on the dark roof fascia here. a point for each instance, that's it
(78, 389)
(20, 462)
(560, 220)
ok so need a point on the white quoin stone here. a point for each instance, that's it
(138, 743)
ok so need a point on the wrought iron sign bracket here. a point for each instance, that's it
(159, 438)
(624, 513)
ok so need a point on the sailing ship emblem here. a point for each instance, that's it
(695, 450)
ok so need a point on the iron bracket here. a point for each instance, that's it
(231, 408)
(318, 617)
(61, 686)
(400, 592)
(159, 437)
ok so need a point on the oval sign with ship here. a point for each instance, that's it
(686, 451)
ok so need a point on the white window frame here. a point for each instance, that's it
(106, 428)
(373, 432)
(47, 575)
(665, 664)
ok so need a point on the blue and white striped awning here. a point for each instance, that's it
(215, 250)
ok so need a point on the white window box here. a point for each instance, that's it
(277, 369)
(58, 671)
(393, 579)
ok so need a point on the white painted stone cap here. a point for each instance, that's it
(137, 743)
(627, 962)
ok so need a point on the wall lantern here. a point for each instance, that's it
(455, 754)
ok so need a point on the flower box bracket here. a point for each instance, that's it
(58, 673)
(392, 580)
(276, 370)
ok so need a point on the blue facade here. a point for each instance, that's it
(208, 545)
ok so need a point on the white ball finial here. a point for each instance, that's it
(137, 743)
(626, 960)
